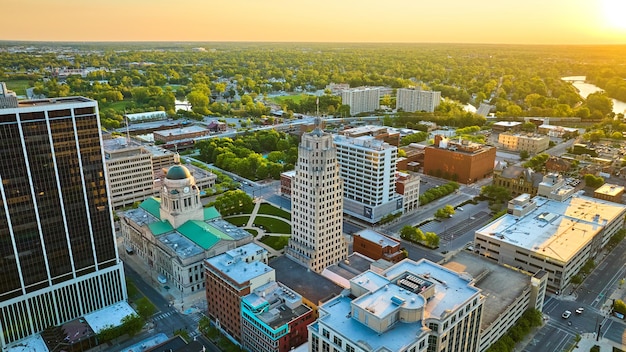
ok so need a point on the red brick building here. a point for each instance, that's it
(461, 161)
(231, 276)
(376, 246)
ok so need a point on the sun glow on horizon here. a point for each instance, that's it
(614, 12)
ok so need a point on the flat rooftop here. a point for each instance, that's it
(309, 284)
(609, 189)
(366, 143)
(53, 101)
(272, 297)
(181, 131)
(182, 246)
(500, 285)
(452, 289)
(388, 291)
(556, 229)
(232, 265)
(342, 272)
(377, 237)
(109, 316)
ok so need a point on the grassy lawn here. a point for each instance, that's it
(253, 232)
(272, 225)
(133, 293)
(118, 106)
(18, 86)
(238, 220)
(276, 242)
(272, 210)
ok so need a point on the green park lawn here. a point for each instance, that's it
(18, 86)
(272, 225)
(269, 209)
(294, 98)
(238, 220)
(276, 242)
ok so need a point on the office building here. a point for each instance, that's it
(59, 259)
(274, 319)
(368, 171)
(461, 161)
(173, 234)
(408, 185)
(557, 235)
(508, 293)
(317, 204)
(416, 99)
(412, 306)
(231, 276)
(363, 99)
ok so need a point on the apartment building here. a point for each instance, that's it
(363, 99)
(417, 99)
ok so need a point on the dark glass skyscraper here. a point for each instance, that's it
(58, 258)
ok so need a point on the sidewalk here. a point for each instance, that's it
(588, 340)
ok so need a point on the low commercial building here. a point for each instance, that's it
(557, 131)
(376, 246)
(180, 134)
(556, 236)
(506, 126)
(461, 161)
(531, 143)
(412, 306)
(610, 192)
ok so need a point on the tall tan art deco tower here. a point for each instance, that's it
(317, 204)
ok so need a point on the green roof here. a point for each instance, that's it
(201, 233)
(160, 227)
(211, 213)
(152, 205)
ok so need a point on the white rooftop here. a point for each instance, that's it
(233, 264)
(556, 229)
(452, 290)
(109, 316)
(34, 343)
(377, 237)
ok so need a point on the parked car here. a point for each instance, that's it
(580, 310)
(566, 314)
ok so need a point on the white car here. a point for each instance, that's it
(566, 314)
(580, 310)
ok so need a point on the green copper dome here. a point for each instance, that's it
(178, 172)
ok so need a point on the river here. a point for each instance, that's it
(584, 89)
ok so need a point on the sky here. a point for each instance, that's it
(387, 21)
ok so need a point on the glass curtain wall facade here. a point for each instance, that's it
(58, 258)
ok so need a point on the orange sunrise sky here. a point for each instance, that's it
(412, 21)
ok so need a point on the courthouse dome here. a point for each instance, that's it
(178, 172)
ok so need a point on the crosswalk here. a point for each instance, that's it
(162, 315)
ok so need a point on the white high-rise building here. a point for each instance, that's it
(364, 99)
(317, 204)
(368, 170)
(416, 99)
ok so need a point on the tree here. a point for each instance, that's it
(593, 181)
(524, 154)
